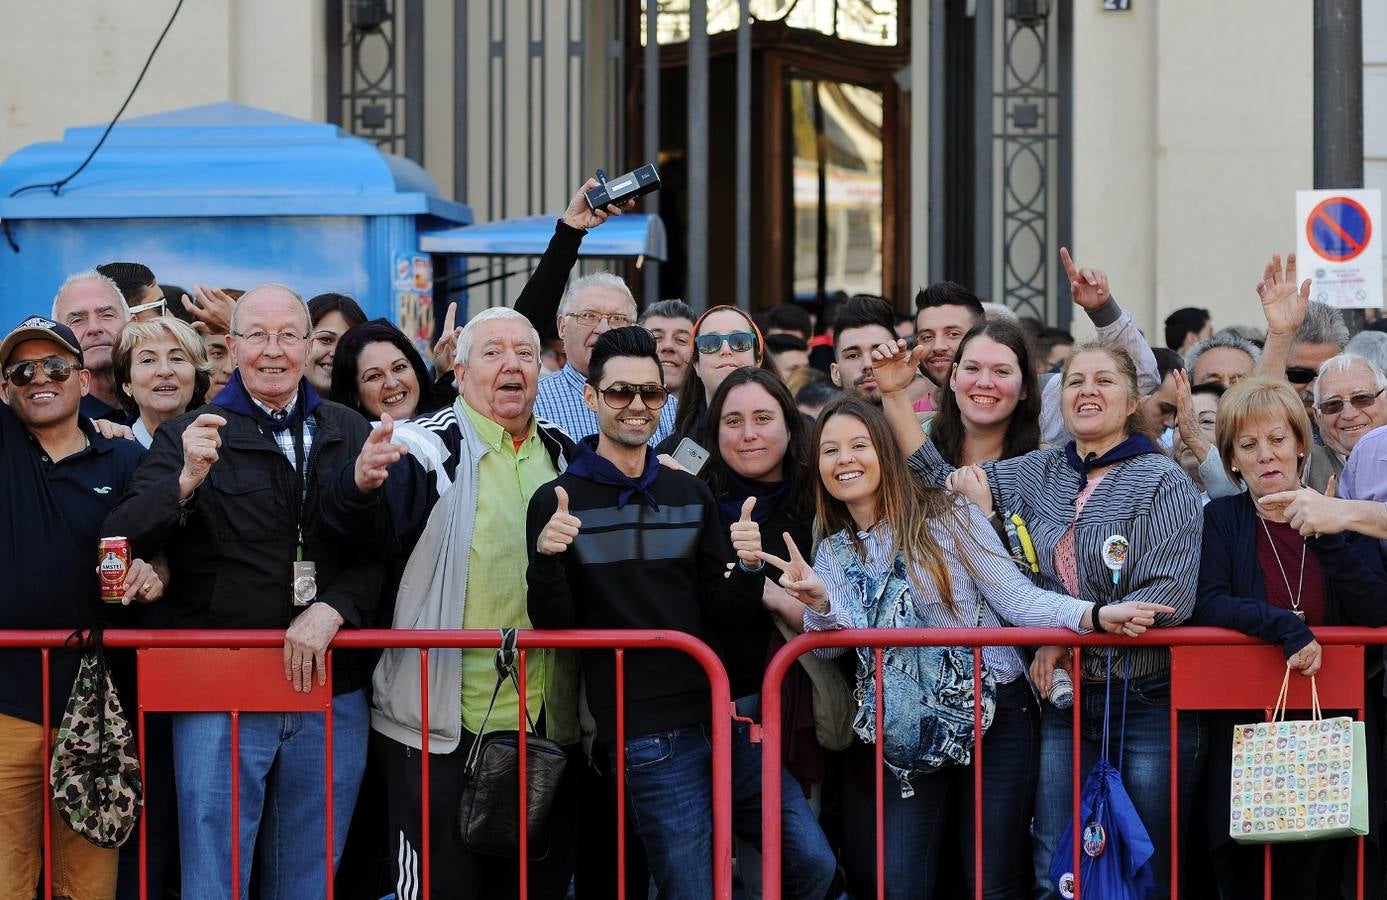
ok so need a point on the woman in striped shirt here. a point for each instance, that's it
(900, 553)
(1109, 480)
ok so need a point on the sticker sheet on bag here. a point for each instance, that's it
(1292, 776)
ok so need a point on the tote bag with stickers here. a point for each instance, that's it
(1298, 780)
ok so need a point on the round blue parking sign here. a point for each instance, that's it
(1338, 229)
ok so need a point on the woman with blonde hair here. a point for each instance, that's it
(162, 370)
(1297, 584)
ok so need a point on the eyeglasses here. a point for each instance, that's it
(161, 304)
(621, 395)
(589, 318)
(1300, 374)
(1359, 401)
(261, 338)
(54, 367)
(738, 341)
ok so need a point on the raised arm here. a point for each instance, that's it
(539, 299)
(1284, 303)
(1091, 293)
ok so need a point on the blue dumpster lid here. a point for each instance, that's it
(628, 235)
(222, 159)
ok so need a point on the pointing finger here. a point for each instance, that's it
(1068, 262)
(450, 317)
(563, 499)
(795, 555)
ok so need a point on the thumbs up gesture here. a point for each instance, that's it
(746, 537)
(376, 456)
(561, 528)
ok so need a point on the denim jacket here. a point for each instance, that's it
(928, 710)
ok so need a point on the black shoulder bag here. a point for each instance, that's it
(489, 812)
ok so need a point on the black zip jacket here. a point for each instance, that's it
(231, 547)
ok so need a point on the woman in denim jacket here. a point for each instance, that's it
(901, 553)
(1110, 479)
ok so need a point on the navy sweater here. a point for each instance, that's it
(637, 567)
(1232, 593)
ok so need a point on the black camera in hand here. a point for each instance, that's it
(624, 187)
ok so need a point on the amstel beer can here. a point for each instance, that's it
(113, 561)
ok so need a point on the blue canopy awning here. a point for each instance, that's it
(625, 236)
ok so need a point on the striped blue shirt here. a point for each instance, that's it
(1148, 499)
(560, 400)
(1007, 597)
(284, 437)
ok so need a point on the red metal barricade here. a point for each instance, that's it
(243, 671)
(1208, 656)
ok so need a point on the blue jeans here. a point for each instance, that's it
(915, 828)
(282, 803)
(669, 786)
(1145, 767)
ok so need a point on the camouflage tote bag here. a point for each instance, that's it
(95, 773)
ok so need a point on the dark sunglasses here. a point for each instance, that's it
(1299, 375)
(1359, 401)
(620, 396)
(55, 367)
(711, 342)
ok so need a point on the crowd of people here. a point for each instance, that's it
(741, 477)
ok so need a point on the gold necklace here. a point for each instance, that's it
(1300, 583)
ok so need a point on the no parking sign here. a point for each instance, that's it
(1339, 246)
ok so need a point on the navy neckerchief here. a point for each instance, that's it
(587, 463)
(236, 398)
(768, 495)
(1134, 445)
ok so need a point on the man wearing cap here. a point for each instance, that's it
(61, 478)
(230, 492)
(92, 305)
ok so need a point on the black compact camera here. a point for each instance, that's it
(622, 188)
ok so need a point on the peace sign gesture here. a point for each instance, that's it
(798, 577)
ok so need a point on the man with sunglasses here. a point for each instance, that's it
(619, 541)
(1349, 402)
(92, 306)
(592, 306)
(61, 478)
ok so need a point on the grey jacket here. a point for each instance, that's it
(445, 451)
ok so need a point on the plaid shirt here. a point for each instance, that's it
(560, 400)
(284, 438)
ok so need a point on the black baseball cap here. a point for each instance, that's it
(40, 328)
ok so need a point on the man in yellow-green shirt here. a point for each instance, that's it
(456, 506)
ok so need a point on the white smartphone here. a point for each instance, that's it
(691, 456)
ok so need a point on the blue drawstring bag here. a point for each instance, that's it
(1116, 850)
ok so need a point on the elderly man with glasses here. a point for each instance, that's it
(592, 306)
(230, 492)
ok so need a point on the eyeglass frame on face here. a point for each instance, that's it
(262, 338)
(589, 318)
(162, 304)
(54, 367)
(1357, 401)
(622, 387)
(747, 338)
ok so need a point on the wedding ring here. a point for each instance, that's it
(144, 588)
